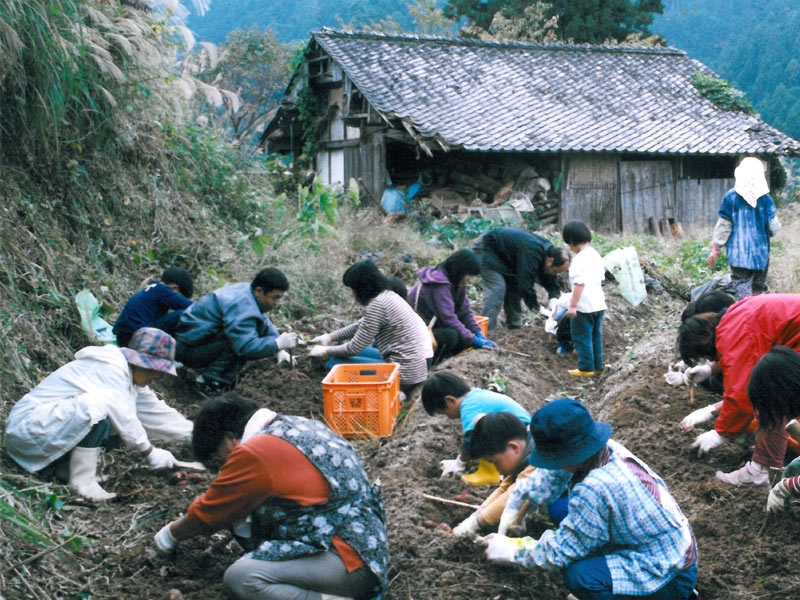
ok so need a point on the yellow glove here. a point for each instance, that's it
(502, 549)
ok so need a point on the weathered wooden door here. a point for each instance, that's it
(647, 194)
(591, 192)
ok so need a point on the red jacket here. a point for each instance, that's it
(745, 333)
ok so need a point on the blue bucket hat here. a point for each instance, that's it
(152, 349)
(564, 434)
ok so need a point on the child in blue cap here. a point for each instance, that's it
(623, 533)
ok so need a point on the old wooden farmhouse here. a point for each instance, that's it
(617, 136)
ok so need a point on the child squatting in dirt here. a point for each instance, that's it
(623, 533)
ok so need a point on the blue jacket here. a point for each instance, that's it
(232, 312)
(434, 296)
(148, 305)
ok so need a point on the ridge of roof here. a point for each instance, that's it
(564, 47)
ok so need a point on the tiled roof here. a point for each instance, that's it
(546, 97)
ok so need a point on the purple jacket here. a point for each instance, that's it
(434, 296)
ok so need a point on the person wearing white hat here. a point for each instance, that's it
(87, 405)
(747, 220)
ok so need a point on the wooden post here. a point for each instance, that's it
(377, 202)
(652, 227)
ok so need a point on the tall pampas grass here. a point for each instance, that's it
(80, 77)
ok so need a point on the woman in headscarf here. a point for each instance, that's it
(747, 219)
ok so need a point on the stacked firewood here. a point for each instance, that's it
(527, 191)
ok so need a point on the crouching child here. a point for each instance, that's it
(622, 535)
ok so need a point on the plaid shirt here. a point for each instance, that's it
(646, 542)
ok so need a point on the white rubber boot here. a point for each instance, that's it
(332, 597)
(83, 474)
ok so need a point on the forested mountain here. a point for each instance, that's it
(751, 43)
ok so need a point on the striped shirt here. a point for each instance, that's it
(645, 538)
(394, 326)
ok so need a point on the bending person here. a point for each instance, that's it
(59, 428)
(512, 261)
(447, 394)
(159, 304)
(389, 321)
(733, 340)
(774, 391)
(440, 298)
(230, 326)
(623, 533)
(297, 498)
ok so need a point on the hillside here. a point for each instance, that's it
(117, 559)
(111, 172)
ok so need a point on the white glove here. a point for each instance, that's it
(499, 548)
(779, 497)
(469, 527)
(323, 340)
(453, 467)
(707, 441)
(674, 378)
(701, 415)
(165, 541)
(552, 304)
(551, 326)
(161, 459)
(283, 356)
(286, 340)
(696, 374)
(318, 351)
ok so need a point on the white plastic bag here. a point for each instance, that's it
(623, 264)
(95, 327)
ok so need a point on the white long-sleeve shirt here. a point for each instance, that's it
(54, 416)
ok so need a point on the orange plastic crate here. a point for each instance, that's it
(362, 400)
(483, 323)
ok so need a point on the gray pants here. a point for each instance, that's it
(302, 578)
(496, 294)
(746, 282)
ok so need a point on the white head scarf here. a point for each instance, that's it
(751, 183)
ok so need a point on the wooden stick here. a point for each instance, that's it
(515, 352)
(37, 555)
(453, 502)
(375, 201)
(26, 584)
(691, 393)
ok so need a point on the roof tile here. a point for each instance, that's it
(546, 97)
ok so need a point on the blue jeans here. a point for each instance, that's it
(587, 337)
(368, 355)
(590, 579)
